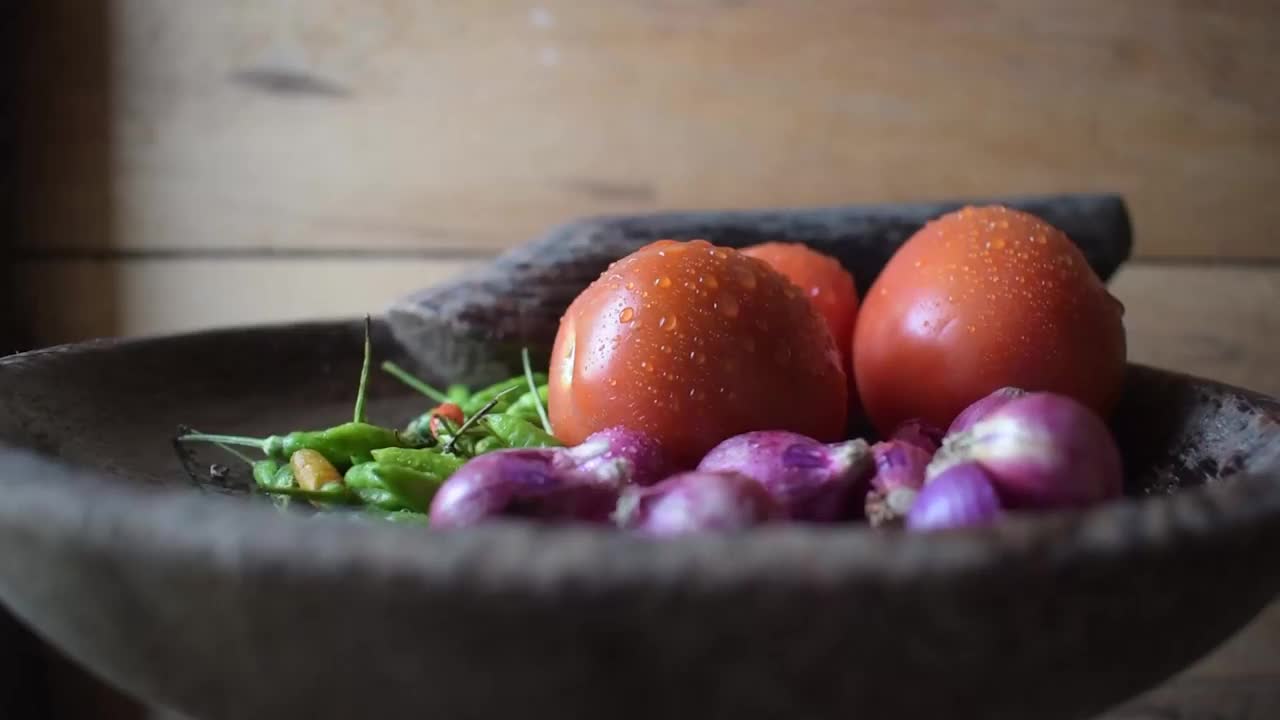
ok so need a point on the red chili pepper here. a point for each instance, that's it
(444, 410)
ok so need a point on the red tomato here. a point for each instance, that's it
(979, 299)
(694, 344)
(824, 281)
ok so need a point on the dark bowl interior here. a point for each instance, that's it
(208, 600)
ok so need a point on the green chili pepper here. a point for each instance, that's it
(361, 480)
(517, 433)
(486, 444)
(343, 445)
(468, 449)
(428, 460)
(403, 517)
(333, 493)
(482, 397)
(526, 406)
(393, 487)
(264, 473)
(282, 487)
(457, 394)
(283, 477)
(462, 445)
(421, 427)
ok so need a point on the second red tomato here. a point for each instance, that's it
(980, 299)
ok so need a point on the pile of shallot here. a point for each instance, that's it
(1011, 451)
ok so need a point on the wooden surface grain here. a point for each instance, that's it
(473, 126)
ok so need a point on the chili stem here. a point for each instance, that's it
(533, 388)
(222, 439)
(224, 446)
(403, 376)
(358, 415)
(237, 453)
(472, 420)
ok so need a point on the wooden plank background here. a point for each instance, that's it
(371, 124)
(184, 164)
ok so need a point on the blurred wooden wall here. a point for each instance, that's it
(188, 163)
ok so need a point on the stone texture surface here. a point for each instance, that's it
(519, 297)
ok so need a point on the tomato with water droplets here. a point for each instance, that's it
(822, 279)
(695, 344)
(979, 299)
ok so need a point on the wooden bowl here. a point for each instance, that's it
(217, 605)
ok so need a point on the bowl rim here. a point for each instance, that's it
(80, 504)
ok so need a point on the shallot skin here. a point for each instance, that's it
(984, 407)
(1043, 451)
(637, 455)
(899, 475)
(814, 481)
(921, 434)
(961, 496)
(533, 484)
(695, 502)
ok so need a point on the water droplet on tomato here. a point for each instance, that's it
(627, 315)
(665, 348)
(698, 357)
(646, 366)
(720, 253)
(667, 322)
(662, 282)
